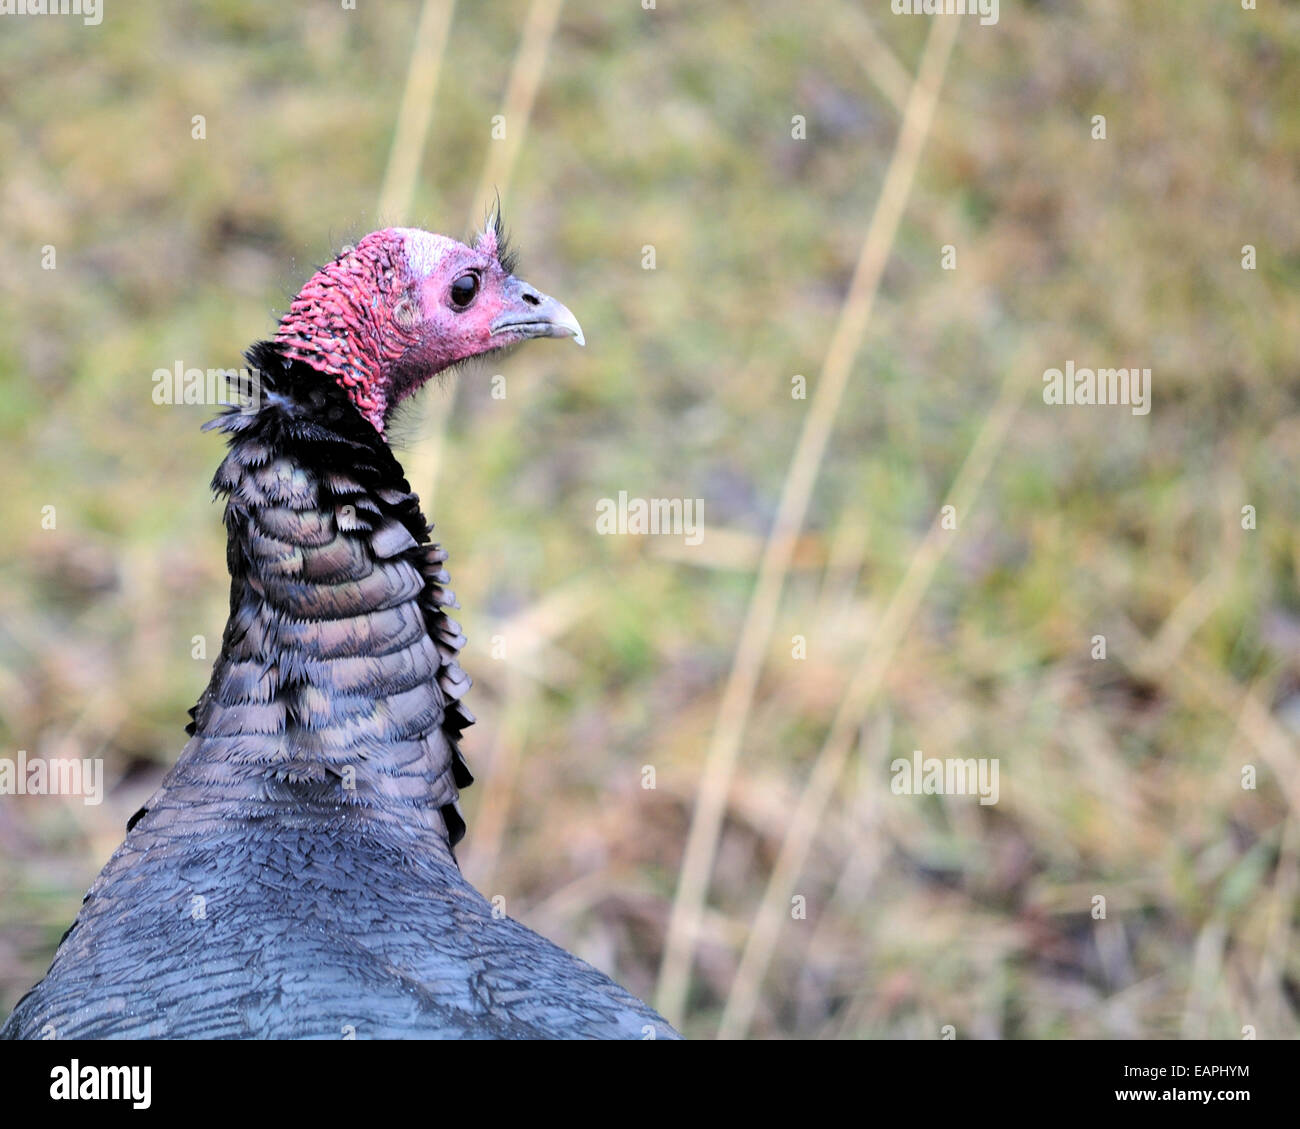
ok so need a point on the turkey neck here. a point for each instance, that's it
(337, 691)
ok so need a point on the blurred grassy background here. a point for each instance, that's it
(672, 128)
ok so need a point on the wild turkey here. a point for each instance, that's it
(293, 877)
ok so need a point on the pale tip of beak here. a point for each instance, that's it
(562, 320)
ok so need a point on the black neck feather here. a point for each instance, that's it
(338, 688)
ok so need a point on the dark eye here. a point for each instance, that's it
(463, 290)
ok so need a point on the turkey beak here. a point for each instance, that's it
(530, 313)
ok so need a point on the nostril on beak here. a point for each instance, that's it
(531, 298)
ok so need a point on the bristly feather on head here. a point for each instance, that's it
(494, 228)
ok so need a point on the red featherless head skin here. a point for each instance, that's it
(404, 304)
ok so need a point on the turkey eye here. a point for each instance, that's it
(464, 289)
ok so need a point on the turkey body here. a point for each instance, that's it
(293, 877)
